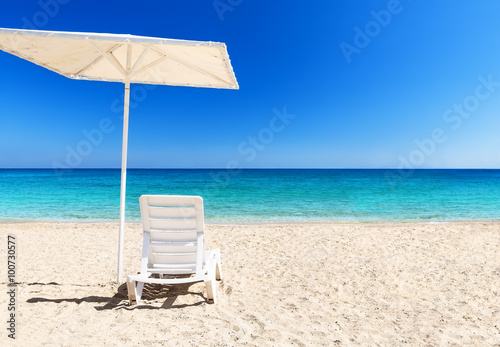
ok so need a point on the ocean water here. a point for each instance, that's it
(257, 195)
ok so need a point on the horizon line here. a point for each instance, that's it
(251, 168)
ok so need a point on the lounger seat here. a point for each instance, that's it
(173, 230)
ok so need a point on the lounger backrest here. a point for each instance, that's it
(173, 233)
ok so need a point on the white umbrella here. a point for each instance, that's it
(127, 59)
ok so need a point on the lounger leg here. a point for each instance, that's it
(210, 285)
(218, 272)
(139, 288)
(218, 266)
(131, 292)
(134, 291)
(214, 272)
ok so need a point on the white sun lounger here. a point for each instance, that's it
(173, 229)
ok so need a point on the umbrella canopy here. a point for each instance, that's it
(114, 58)
(127, 59)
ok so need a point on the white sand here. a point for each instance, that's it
(333, 284)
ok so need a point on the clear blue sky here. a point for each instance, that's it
(372, 84)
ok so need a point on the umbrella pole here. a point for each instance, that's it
(123, 180)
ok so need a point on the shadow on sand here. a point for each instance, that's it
(151, 292)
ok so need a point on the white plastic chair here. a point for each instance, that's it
(173, 229)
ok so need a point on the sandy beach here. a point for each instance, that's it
(324, 284)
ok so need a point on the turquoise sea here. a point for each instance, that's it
(257, 195)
